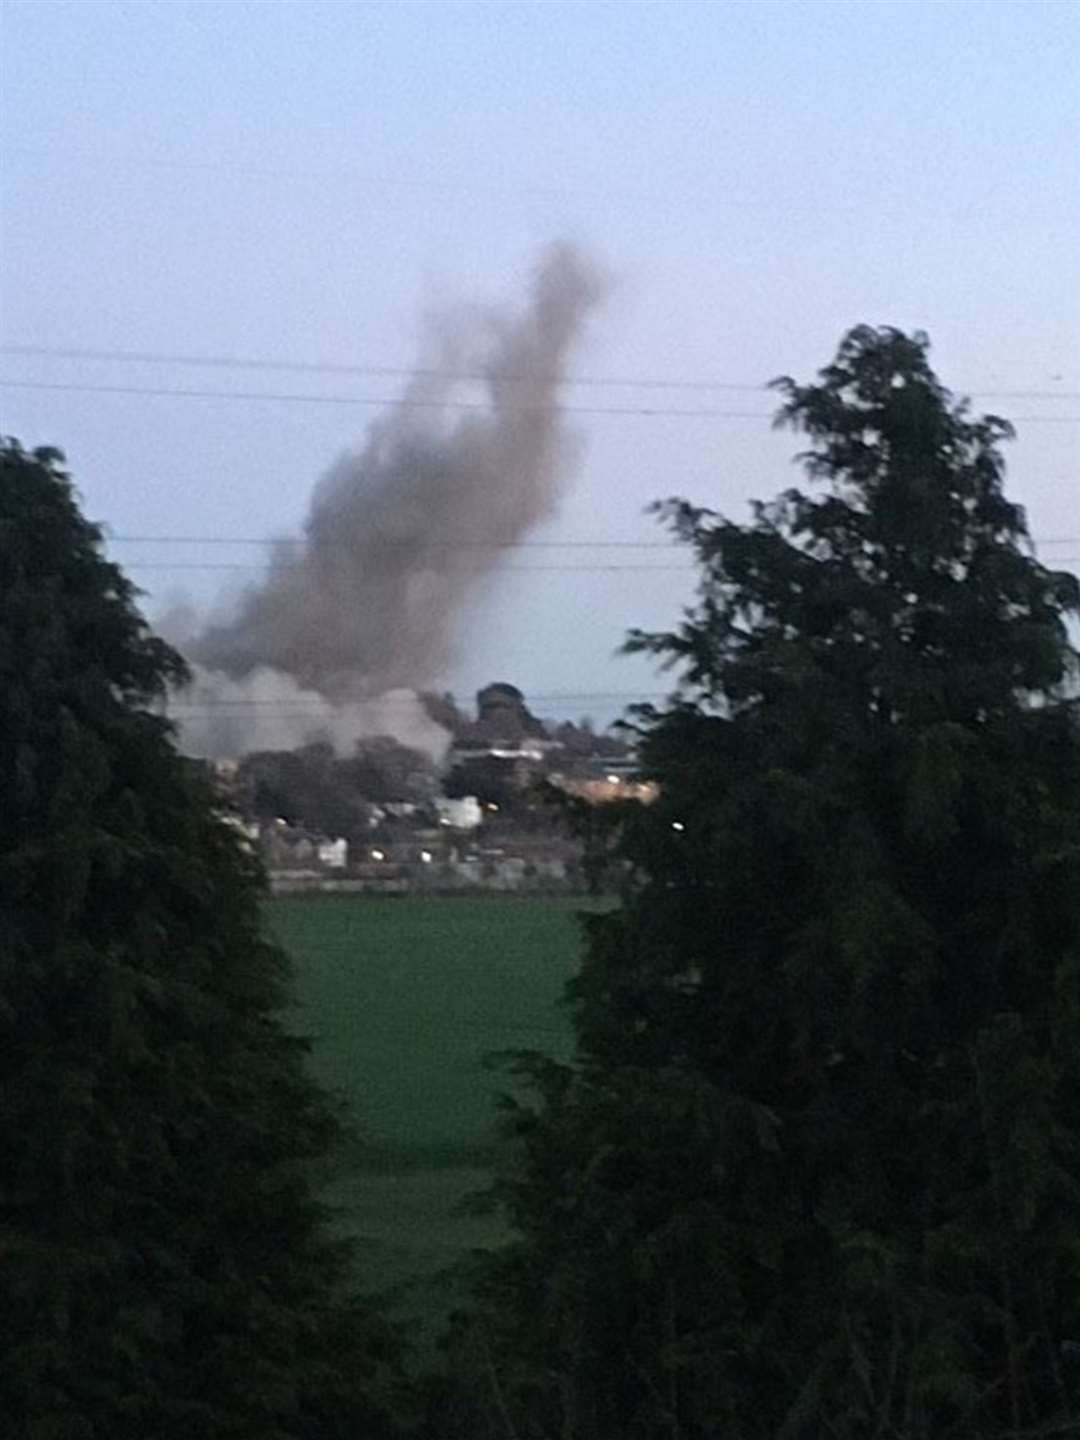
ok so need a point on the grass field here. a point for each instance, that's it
(404, 997)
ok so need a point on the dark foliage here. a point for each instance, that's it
(166, 1269)
(315, 788)
(816, 1169)
(493, 779)
(445, 711)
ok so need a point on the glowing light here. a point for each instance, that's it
(426, 856)
(678, 825)
(378, 854)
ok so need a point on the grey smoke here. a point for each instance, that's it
(399, 534)
(268, 710)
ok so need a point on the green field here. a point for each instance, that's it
(404, 998)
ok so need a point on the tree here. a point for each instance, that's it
(313, 787)
(444, 710)
(308, 787)
(815, 1170)
(383, 770)
(493, 779)
(167, 1270)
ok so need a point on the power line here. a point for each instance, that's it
(577, 544)
(382, 403)
(410, 702)
(315, 367)
(406, 544)
(178, 713)
(479, 569)
(322, 707)
(509, 569)
(378, 402)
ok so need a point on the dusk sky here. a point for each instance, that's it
(300, 182)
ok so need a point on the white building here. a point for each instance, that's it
(464, 814)
(334, 854)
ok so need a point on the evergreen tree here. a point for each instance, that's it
(167, 1272)
(816, 1168)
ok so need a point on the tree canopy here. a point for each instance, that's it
(815, 1170)
(167, 1269)
(316, 788)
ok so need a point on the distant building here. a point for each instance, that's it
(603, 789)
(290, 847)
(464, 814)
(601, 779)
(504, 726)
(333, 854)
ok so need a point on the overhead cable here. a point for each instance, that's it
(316, 367)
(576, 544)
(403, 402)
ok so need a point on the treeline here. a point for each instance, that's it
(341, 795)
(335, 794)
(814, 1170)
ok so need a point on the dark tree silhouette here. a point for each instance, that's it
(816, 1169)
(166, 1268)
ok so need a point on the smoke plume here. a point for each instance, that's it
(365, 604)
